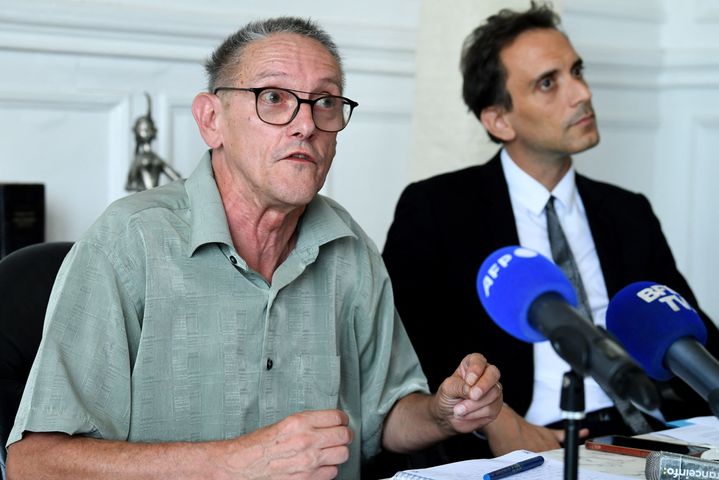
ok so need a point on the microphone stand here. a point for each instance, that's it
(572, 407)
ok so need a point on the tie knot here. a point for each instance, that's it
(550, 203)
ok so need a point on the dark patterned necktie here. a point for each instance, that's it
(563, 257)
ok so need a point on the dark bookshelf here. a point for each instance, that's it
(22, 215)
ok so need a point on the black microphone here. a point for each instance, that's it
(666, 336)
(529, 297)
(674, 466)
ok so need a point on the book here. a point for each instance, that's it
(22, 215)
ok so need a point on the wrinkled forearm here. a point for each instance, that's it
(412, 425)
(41, 456)
(506, 423)
(510, 431)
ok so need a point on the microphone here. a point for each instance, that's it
(666, 336)
(530, 298)
(674, 466)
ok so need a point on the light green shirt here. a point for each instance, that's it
(157, 330)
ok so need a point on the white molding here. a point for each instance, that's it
(178, 34)
(652, 69)
(641, 58)
(117, 108)
(622, 68)
(701, 125)
(706, 11)
(642, 10)
(375, 114)
(88, 43)
(691, 67)
(628, 121)
(705, 121)
(119, 150)
(167, 105)
(49, 99)
(403, 66)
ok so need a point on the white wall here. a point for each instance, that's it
(74, 72)
(654, 70)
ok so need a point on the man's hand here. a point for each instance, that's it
(511, 432)
(466, 401)
(471, 397)
(305, 445)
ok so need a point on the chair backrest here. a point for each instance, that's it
(26, 279)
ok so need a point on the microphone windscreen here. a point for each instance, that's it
(674, 466)
(510, 280)
(647, 318)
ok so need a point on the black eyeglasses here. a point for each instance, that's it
(279, 106)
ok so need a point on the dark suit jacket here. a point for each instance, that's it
(446, 226)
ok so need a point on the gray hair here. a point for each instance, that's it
(221, 64)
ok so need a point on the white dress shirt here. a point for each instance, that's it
(528, 198)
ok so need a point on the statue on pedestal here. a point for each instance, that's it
(147, 166)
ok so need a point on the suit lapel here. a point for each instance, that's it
(605, 240)
(493, 198)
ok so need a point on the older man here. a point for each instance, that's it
(237, 324)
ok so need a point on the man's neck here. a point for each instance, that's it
(546, 169)
(263, 235)
(264, 240)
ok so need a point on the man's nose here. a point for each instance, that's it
(581, 92)
(303, 124)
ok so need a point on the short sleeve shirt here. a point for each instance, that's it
(157, 330)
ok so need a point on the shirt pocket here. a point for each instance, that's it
(318, 382)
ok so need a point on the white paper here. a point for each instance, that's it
(475, 469)
(696, 431)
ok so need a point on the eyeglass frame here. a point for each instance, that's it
(300, 101)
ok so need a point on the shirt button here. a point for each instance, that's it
(269, 364)
(233, 260)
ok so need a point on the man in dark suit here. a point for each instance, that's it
(523, 80)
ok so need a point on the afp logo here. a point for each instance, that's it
(502, 263)
(665, 295)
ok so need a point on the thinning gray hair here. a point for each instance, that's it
(221, 65)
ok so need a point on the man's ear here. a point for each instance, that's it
(495, 121)
(207, 109)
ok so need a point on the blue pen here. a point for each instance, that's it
(518, 467)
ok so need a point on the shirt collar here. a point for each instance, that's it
(207, 213)
(319, 224)
(533, 195)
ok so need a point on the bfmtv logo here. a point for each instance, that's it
(665, 295)
(501, 263)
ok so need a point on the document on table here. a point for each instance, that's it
(475, 470)
(697, 431)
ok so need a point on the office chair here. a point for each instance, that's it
(26, 278)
